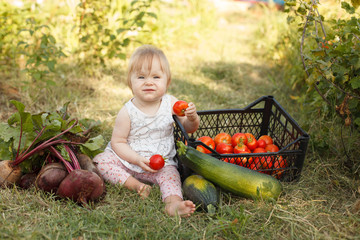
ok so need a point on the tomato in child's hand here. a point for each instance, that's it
(180, 107)
(157, 162)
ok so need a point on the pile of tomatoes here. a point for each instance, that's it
(244, 143)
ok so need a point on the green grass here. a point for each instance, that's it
(223, 68)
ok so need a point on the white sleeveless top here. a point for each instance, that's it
(151, 135)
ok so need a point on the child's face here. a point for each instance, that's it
(149, 86)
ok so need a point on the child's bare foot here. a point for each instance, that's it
(135, 185)
(179, 207)
(144, 190)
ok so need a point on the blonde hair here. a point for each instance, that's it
(146, 54)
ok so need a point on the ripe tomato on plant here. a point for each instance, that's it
(180, 107)
(157, 162)
(268, 140)
(224, 148)
(222, 137)
(207, 141)
(251, 141)
(272, 148)
(238, 138)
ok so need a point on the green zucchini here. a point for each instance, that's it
(201, 192)
(233, 178)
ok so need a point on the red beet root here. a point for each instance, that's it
(50, 177)
(81, 186)
(27, 180)
(87, 164)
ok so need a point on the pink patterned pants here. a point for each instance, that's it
(113, 171)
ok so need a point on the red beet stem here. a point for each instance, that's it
(24, 152)
(58, 155)
(43, 145)
(21, 133)
(73, 157)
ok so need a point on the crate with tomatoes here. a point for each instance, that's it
(262, 137)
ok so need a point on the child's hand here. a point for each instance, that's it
(190, 112)
(144, 164)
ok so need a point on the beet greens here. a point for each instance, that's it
(30, 141)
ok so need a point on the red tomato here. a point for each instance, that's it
(249, 135)
(268, 140)
(263, 162)
(241, 161)
(251, 141)
(279, 163)
(271, 148)
(224, 148)
(238, 138)
(266, 163)
(240, 148)
(208, 141)
(222, 138)
(259, 150)
(259, 160)
(261, 143)
(180, 107)
(157, 162)
(238, 161)
(254, 165)
(232, 160)
(201, 149)
(244, 161)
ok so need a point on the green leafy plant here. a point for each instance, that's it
(106, 28)
(330, 55)
(26, 138)
(9, 24)
(40, 50)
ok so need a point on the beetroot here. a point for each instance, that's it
(87, 164)
(81, 186)
(27, 180)
(50, 177)
(9, 173)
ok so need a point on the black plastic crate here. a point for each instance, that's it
(265, 116)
